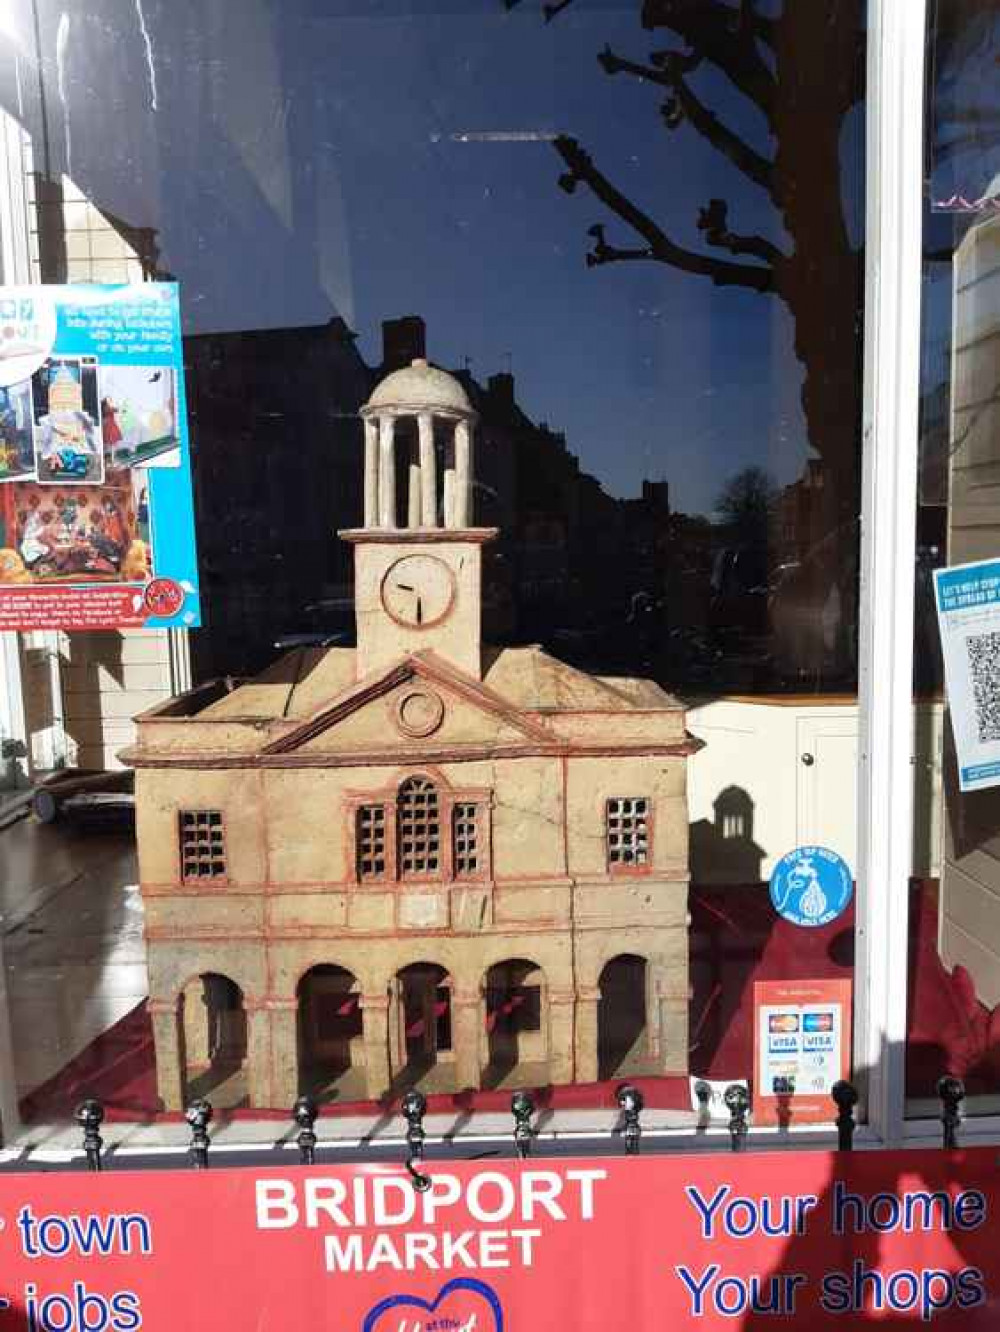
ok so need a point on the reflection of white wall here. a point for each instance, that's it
(969, 922)
(764, 747)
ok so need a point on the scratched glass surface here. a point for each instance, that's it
(632, 233)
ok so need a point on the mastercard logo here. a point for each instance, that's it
(783, 1022)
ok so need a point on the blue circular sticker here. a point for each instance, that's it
(811, 886)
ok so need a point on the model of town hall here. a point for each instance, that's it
(424, 860)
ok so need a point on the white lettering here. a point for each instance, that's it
(382, 1187)
(276, 1208)
(383, 1250)
(343, 1255)
(506, 1190)
(526, 1237)
(587, 1179)
(493, 1248)
(445, 1190)
(325, 1195)
(420, 1245)
(542, 1187)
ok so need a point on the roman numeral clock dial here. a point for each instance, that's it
(418, 591)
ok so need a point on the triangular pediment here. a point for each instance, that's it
(420, 702)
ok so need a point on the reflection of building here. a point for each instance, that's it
(423, 859)
(803, 514)
(275, 431)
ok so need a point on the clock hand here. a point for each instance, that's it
(420, 612)
(404, 587)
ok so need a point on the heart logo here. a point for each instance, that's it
(471, 1307)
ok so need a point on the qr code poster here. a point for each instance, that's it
(968, 607)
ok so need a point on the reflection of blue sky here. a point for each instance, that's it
(303, 157)
(965, 109)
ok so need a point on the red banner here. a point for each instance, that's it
(799, 1240)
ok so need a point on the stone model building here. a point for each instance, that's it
(423, 859)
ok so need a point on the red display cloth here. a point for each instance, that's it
(736, 938)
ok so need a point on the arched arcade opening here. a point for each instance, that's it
(420, 1027)
(215, 1040)
(622, 1017)
(331, 1045)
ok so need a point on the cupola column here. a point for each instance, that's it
(371, 472)
(428, 470)
(387, 471)
(463, 473)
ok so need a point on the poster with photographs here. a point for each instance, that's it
(96, 515)
(17, 439)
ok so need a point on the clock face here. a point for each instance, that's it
(418, 591)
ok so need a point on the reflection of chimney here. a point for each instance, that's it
(403, 340)
(501, 390)
(656, 494)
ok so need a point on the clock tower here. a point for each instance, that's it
(418, 557)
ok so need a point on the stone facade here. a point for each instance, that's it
(421, 860)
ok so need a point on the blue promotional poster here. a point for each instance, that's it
(96, 513)
(968, 608)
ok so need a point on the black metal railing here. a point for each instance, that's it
(305, 1113)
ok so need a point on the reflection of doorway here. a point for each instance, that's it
(421, 1027)
(215, 1040)
(622, 1043)
(330, 1034)
(515, 1027)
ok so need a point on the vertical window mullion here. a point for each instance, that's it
(895, 113)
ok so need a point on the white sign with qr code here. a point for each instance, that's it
(967, 597)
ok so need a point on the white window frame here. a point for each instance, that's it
(897, 38)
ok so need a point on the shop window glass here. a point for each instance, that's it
(523, 370)
(954, 940)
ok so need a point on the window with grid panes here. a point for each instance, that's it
(418, 828)
(465, 839)
(203, 844)
(370, 838)
(628, 831)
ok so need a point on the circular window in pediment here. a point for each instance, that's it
(419, 712)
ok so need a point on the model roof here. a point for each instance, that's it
(302, 681)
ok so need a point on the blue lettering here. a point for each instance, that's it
(732, 1225)
(697, 1288)
(971, 1287)
(46, 1317)
(125, 1306)
(26, 1225)
(970, 1209)
(899, 1302)
(731, 1309)
(835, 1294)
(707, 1210)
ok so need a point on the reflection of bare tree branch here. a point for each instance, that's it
(550, 11)
(708, 27)
(713, 222)
(753, 24)
(668, 69)
(603, 253)
(660, 248)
